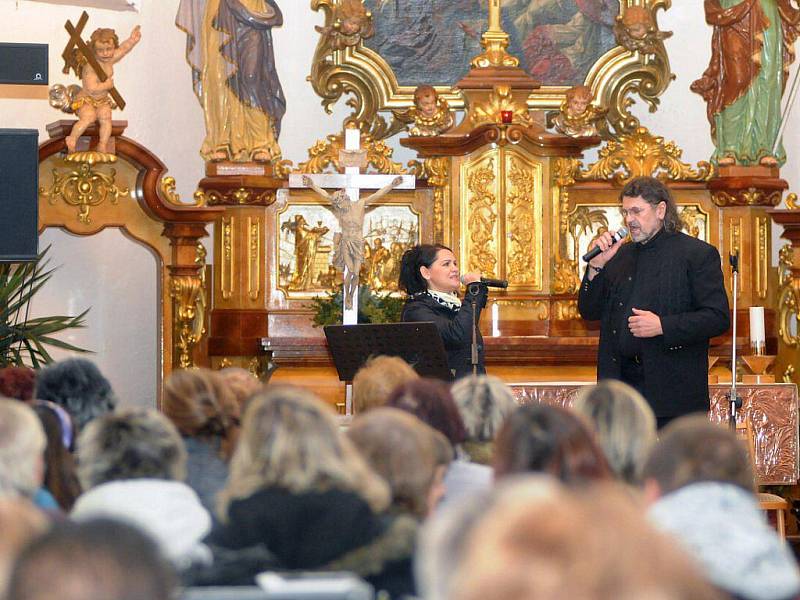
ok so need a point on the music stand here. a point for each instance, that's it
(418, 343)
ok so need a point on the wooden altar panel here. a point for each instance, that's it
(772, 410)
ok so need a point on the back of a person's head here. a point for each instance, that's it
(484, 402)
(20, 522)
(290, 439)
(401, 449)
(624, 425)
(77, 385)
(241, 383)
(60, 477)
(22, 444)
(96, 560)
(17, 383)
(540, 438)
(691, 449)
(431, 402)
(199, 403)
(377, 379)
(558, 546)
(130, 444)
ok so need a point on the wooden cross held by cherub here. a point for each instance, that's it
(349, 242)
(75, 41)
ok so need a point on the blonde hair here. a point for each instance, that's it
(624, 425)
(22, 444)
(484, 402)
(377, 379)
(291, 439)
(404, 451)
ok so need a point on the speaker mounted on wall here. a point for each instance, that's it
(19, 195)
(23, 64)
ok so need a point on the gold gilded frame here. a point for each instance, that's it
(353, 69)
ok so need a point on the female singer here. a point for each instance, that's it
(429, 274)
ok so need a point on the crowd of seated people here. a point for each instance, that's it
(432, 490)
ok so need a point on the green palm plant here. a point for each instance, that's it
(23, 341)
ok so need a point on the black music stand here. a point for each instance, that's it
(418, 343)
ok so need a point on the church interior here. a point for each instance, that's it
(196, 228)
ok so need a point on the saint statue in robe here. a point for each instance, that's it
(751, 50)
(229, 48)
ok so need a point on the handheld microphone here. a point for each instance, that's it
(493, 283)
(621, 233)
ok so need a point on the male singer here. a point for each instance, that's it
(659, 299)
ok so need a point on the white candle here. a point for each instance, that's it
(757, 334)
(495, 320)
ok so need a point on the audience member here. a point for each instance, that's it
(131, 464)
(298, 487)
(623, 423)
(60, 478)
(242, 384)
(484, 402)
(702, 487)
(100, 559)
(78, 386)
(20, 522)
(376, 380)
(554, 544)
(17, 383)
(540, 438)
(22, 444)
(206, 413)
(403, 450)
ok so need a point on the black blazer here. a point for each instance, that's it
(455, 327)
(683, 285)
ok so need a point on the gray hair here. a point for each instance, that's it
(484, 402)
(130, 444)
(291, 439)
(624, 424)
(77, 385)
(22, 444)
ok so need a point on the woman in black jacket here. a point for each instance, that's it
(429, 274)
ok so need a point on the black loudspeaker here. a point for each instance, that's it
(23, 64)
(19, 196)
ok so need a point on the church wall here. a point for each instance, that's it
(165, 116)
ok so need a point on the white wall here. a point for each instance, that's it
(164, 115)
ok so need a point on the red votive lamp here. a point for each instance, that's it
(507, 116)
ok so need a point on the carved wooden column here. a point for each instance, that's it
(239, 315)
(787, 364)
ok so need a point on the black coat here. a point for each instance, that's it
(679, 278)
(455, 327)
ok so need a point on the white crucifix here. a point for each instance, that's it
(349, 241)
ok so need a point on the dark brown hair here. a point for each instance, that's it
(431, 402)
(654, 192)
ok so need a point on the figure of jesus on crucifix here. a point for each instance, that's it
(349, 243)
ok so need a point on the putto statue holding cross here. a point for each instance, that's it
(93, 61)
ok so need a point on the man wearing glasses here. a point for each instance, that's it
(659, 300)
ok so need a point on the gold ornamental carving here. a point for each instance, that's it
(788, 299)
(565, 310)
(253, 257)
(327, 153)
(521, 226)
(235, 197)
(642, 153)
(189, 301)
(351, 69)
(750, 197)
(85, 187)
(791, 202)
(482, 217)
(499, 101)
(693, 218)
(227, 263)
(437, 172)
(762, 256)
(168, 187)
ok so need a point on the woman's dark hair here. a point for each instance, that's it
(60, 477)
(431, 402)
(421, 255)
(548, 439)
(654, 192)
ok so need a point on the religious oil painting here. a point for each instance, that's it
(587, 222)
(433, 41)
(306, 247)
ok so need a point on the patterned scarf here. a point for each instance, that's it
(446, 299)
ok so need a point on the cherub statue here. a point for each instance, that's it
(353, 23)
(349, 243)
(636, 29)
(578, 116)
(91, 101)
(430, 114)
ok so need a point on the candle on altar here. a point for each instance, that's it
(757, 330)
